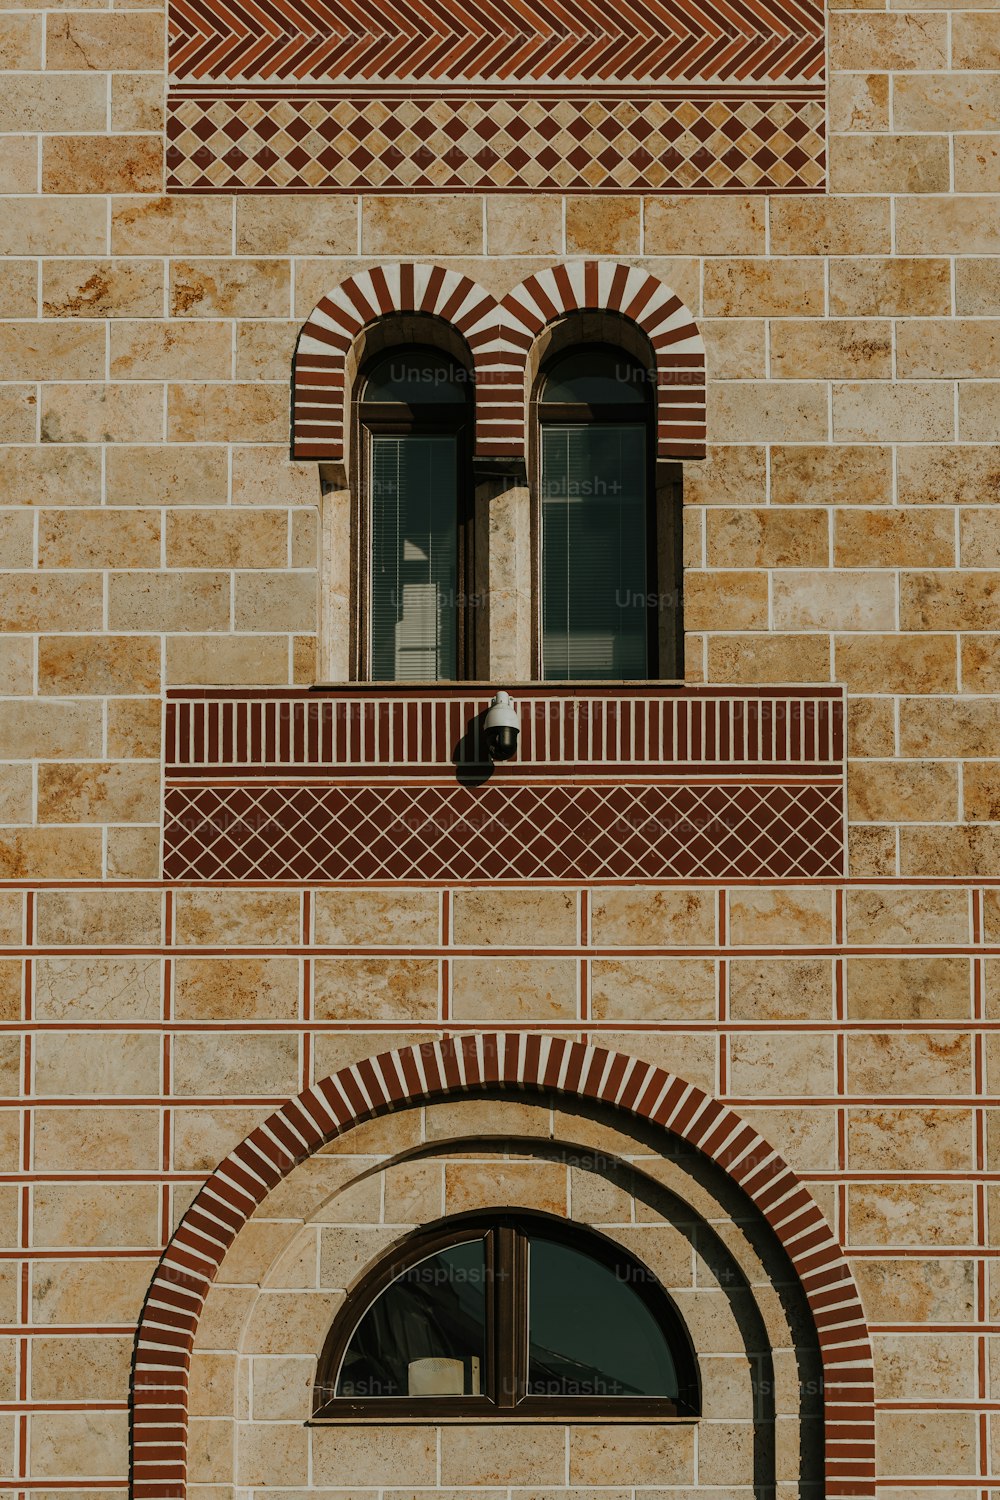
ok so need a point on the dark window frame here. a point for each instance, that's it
(505, 1236)
(398, 419)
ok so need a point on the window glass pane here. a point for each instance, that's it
(589, 1332)
(414, 579)
(416, 377)
(594, 577)
(596, 377)
(426, 1334)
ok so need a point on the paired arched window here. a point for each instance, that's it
(607, 601)
(508, 1315)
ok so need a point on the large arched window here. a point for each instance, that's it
(415, 550)
(601, 572)
(516, 1315)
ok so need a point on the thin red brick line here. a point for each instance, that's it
(674, 882)
(41, 1406)
(307, 990)
(72, 1330)
(292, 1025)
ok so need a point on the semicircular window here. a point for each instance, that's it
(516, 1315)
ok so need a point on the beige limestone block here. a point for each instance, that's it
(897, 664)
(44, 602)
(728, 476)
(90, 1292)
(168, 601)
(134, 728)
(948, 225)
(18, 289)
(376, 989)
(236, 1064)
(768, 538)
(227, 539)
(915, 1214)
(210, 1455)
(926, 1443)
(892, 918)
(275, 1453)
(231, 918)
(936, 1062)
(887, 287)
(372, 918)
(18, 413)
(859, 101)
(49, 102)
(20, 42)
(171, 226)
(19, 167)
(603, 224)
(893, 1139)
(240, 288)
(120, 43)
(98, 793)
(203, 1135)
(54, 225)
(478, 1119)
(710, 226)
(893, 539)
(662, 989)
(223, 413)
(382, 1455)
(265, 350)
(828, 226)
(770, 658)
(641, 1455)
(981, 663)
(956, 346)
(16, 538)
(961, 727)
(973, 850)
(763, 288)
(62, 1367)
(133, 853)
(975, 41)
(783, 918)
(977, 286)
(891, 42)
(541, 1185)
(167, 476)
(80, 987)
(10, 1074)
(33, 351)
(176, 350)
(427, 225)
(514, 988)
(95, 1064)
(102, 288)
(913, 792)
(282, 1387)
(787, 989)
(137, 101)
(212, 1388)
(524, 224)
(11, 983)
(952, 600)
(977, 164)
(16, 665)
(271, 224)
(98, 539)
(648, 917)
(980, 547)
(414, 1193)
(98, 918)
(890, 164)
(833, 600)
(223, 1316)
(730, 600)
(914, 411)
(981, 793)
(809, 350)
(80, 1444)
(734, 348)
(916, 1291)
(50, 854)
(84, 1214)
(755, 410)
(512, 918)
(909, 1366)
(265, 476)
(231, 989)
(98, 665)
(778, 1064)
(802, 1135)
(102, 164)
(101, 413)
(235, 660)
(978, 406)
(275, 601)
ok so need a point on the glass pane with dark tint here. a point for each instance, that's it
(595, 377)
(426, 1334)
(595, 610)
(414, 579)
(590, 1333)
(415, 377)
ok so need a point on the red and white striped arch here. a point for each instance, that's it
(437, 1070)
(500, 337)
(604, 285)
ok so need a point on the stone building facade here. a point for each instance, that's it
(710, 967)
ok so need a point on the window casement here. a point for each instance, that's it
(414, 553)
(607, 536)
(507, 1315)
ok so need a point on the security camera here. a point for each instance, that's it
(502, 727)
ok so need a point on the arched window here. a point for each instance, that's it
(601, 594)
(508, 1315)
(415, 545)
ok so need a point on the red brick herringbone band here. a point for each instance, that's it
(499, 336)
(435, 1070)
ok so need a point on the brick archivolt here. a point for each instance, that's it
(498, 1063)
(499, 335)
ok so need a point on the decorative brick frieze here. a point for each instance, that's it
(653, 96)
(368, 784)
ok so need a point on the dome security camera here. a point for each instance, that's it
(502, 726)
